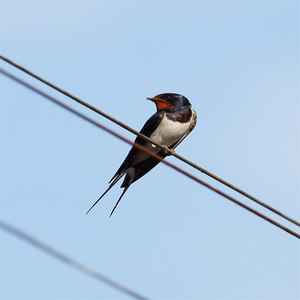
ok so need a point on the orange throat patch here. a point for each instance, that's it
(161, 104)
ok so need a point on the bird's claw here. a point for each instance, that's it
(168, 151)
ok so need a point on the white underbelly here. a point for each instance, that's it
(168, 132)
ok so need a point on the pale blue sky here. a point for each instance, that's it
(170, 238)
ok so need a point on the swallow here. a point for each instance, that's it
(169, 126)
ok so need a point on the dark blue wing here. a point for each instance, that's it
(149, 127)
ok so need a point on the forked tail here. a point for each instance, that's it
(110, 186)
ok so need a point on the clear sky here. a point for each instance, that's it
(170, 238)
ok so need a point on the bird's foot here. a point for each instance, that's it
(168, 151)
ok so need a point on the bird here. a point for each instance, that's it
(169, 126)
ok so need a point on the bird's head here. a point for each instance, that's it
(170, 101)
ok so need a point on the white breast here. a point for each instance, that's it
(168, 132)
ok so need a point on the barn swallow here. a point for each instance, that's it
(169, 126)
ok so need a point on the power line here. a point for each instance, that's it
(140, 147)
(68, 260)
(199, 168)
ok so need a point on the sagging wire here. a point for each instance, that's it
(68, 260)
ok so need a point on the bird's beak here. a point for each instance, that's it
(160, 103)
(153, 99)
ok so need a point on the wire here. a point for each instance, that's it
(140, 147)
(68, 260)
(151, 141)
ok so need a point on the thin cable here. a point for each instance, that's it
(68, 260)
(142, 148)
(151, 141)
